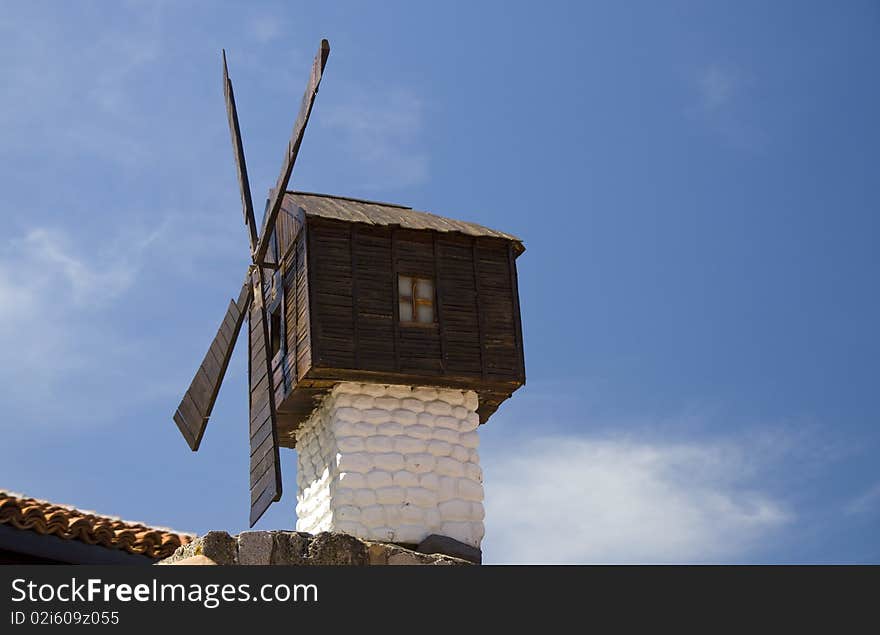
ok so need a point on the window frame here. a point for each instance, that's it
(415, 300)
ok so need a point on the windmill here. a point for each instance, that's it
(195, 408)
(380, 337)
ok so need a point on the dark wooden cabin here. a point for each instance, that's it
(376, 292)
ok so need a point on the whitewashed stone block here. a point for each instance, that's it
(379, 444)
(412, 405)
(425, 394)
(405, 479)
(363, 402)
(390, 495)
(471, 401)
(373, 515)
(398, 392)
(379, 479)
(438, 408)
(430, 481)
(420, 463)
(419, 431)
(439, 448)
(473, 472)
(376, 416)
(447, 466)
(412, 514)
(374, 390)
(421, 497)
(390, 462)
(410, 445)
(354, 462)
(450, 422)
(364, 497)
(470, 440)
(350, 444)
(405, 417)
(445, 434)
(390, 428)
(460, 453)
(455, 510)
(470, 490)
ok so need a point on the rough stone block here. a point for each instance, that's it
(335, 548)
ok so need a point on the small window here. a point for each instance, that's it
(416, 299)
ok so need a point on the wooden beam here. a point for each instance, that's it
(265, 477)
(517, 319)
(395, 306)
(195, 408)
(244, 186)
(480, 328)
(314, 324)
(352, 243)
(295, 262)
(296, 137)
(437, 303)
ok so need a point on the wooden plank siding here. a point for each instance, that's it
(341, 322)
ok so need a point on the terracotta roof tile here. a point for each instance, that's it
(70, 523)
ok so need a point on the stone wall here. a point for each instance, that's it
(391, 463)
(299, 549)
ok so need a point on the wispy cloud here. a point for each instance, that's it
(717, 87)
(50, 105)
(379, 132)
(579, 499)
(55, 328)
(265, 27)
(720, 102)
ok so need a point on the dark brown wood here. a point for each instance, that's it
(480, 316)
(244, 185)
(351, 286)
(296, 137)
(265, 473)
(474, 332)
(395, 304)
(315, 325)
(438, 303)
(295, 294)
(517, 318)
(195, 408)
(353, 248)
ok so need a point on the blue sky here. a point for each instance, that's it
(696, 185)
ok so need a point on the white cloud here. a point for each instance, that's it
(86, 283)
(381, 136)
(572, 499)
(55, 331)
(720, 102)
(264, 28)
(717, 87)
(73, 94)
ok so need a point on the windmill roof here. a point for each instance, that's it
(70, 523)
(354, 210)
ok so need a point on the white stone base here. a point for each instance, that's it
(391, 463)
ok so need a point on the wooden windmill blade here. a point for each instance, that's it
(265, 464)
(244, 186)
(195, 408)
(265, 473)
(296, 137)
